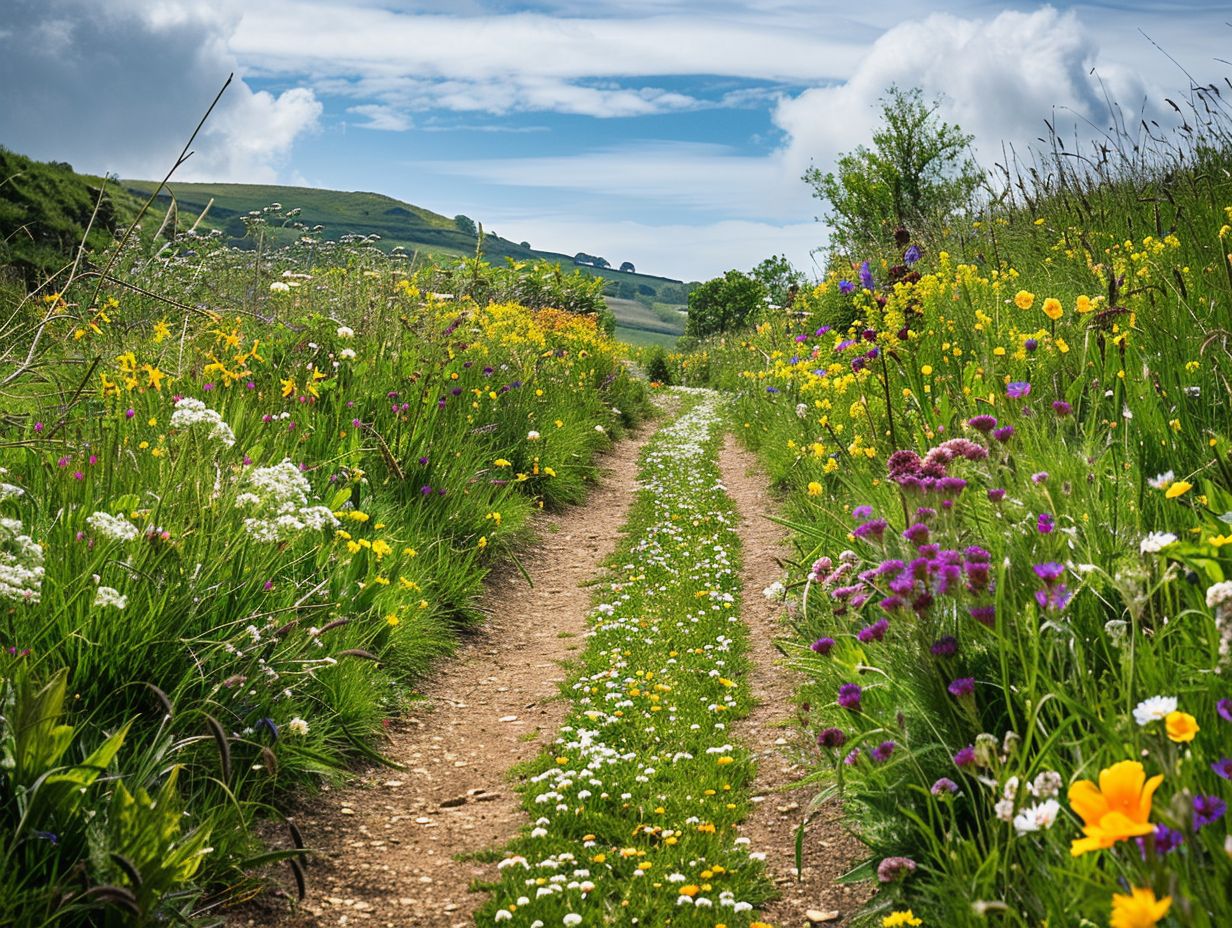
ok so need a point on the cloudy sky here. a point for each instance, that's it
(672, 134)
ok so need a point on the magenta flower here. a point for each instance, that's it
(965, 756)
(893, 869)
(963, 686)
(874, 632)
(849, 695)
(944, 785)
(1223, 767)
(831, 738)
(1004, 434)
(996, 494)
(882, 752)
(1062, 408)
(1044, 524)
(944, 647)
(1018, 389)
(822, 645)
(983, 423)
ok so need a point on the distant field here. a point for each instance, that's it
(634, 315)
(642, 337)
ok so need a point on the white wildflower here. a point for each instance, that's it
(345, 331)
(1220, 594)
(774, 591)
(116, 528)
(278, 498)
(297, 726)
(8, 491)
(347, 354)
(1162, 481)
(1046, 785)
(1155, 709)
(279, 287)
(802, 410)
(532, 435)
(1155, 542)
(109, 596)
(1037, 817)
(1005, 809)
(191, 413)
(572, 919)
(21, 564)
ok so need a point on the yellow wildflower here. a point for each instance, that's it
(1181, 727)
(1024, 299)
(1140, 909)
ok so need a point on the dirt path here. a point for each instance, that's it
(782, 751)
(389, 842)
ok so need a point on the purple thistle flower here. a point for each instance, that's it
(962, 686)
(965, 756)
(1030, 344)
(944, 647)
(874, 527)
(831, 738)
(944, 785)
(893, 869)
(874, 632)
(1039, 476)
(1062, 408)
(1004, 434)
(846, 287)
(985, 615)
(862, 512)
(1207, 809)
(1018, 389)
(1223, 767)
(996, 494)
(983, 423)
(1164, 840)
(849, 696)
(882, 752)
(917, 533)
(822, 645)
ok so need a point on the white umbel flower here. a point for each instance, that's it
(116, 528)
(277, 497)
(109, 596)
(21, 564)
(192, 414)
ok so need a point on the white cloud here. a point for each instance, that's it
(999, 79)
(118, 87)
(382, 117)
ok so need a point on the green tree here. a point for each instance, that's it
(724, 303)
(465, 224)
(780, 278)
(918, 169)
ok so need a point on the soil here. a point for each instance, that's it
(393, 845)
(782, 746)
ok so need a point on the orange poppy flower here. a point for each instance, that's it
(1117, 809)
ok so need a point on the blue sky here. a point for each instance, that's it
(667, 133)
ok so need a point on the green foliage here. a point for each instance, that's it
(917, 171)
(781, 280)
(724, 304)
(466, 225)
(654, 360)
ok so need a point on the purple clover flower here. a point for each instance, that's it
(962, 686)
(893, 869)
(943, 786)
(849, 695)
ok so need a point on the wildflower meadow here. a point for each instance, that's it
(1008, 467)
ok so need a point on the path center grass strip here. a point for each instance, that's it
(633, 810)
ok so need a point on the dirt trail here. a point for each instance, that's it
(389, 841)
(782, 750)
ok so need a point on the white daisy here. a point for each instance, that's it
(1155, 709)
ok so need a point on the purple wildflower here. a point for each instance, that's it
(893, 869)
(911, 256)
(866, 276)
(1039, 476)
(1163, 840)
(1224, 708)
(944, 647)
(831, 738)
(822, 645)
(846, 287)
(1044, 524)
(849, 696)
(862, 512)
(1018, 389)
(1062, 408)
(996, 494)
(943, 785)
(1207, 809)
(917, 533)
(965, 756)
(1049, 571)
(38, 426)
(874, 527)
(874, 632)
(962, 686)
(1004, 434)
(985, 615)
(1223, 767)
(1030, 344)
(983, 423)
(882, 752)
(851, 759)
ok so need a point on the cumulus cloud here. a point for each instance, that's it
(118, 87)
(998, 78)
